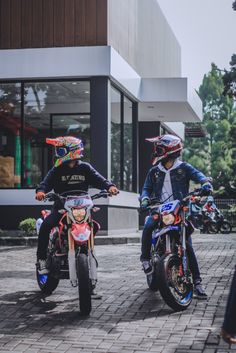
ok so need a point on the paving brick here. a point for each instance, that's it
(128, 319)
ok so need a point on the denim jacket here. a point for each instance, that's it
(180, 178)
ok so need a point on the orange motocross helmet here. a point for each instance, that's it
(165, 146)
(67, 148)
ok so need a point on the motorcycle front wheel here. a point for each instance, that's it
(84, 284)
(174, 289)
(225, 227)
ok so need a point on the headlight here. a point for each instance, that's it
(168, 219)
(79, 214)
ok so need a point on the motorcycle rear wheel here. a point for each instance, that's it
(225, 227)
(176, 293)
(84, 284)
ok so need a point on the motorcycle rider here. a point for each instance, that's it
(210, 207)
(209, 211)
(69, 173)
(169, 180)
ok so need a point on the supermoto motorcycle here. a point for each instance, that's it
(70, 252)
(169, 257)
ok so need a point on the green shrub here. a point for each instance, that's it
(232, 209)
(28, 225)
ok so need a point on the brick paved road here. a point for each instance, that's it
(129, 318)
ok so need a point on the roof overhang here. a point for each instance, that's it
(161, 99)
(168, 99)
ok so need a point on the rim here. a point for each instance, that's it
(181, 290)
(42, 278)
(225, 228)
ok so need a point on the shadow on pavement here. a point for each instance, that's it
(25, 312)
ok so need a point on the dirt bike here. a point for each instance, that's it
(71, 252)
(171, 274)
(216, 223)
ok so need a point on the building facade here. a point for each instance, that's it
(108, 71)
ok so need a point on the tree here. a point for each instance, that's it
(229, 79)
(215, 153)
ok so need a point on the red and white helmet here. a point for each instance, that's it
(164, 146)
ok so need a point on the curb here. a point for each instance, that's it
(99, 240)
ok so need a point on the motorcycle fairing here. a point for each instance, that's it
(80, 232)
(170, 207)
(78, 202)
(164, 230)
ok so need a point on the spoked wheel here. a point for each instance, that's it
(176, 291)
(46, 282)
(225, 227)
(213, 228)
(84, 284)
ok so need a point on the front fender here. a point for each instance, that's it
(80, 232)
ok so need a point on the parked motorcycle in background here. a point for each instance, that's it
(208, 219)
(71, 252)
(216, 223)
(171, 273)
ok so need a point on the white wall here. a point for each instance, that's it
(139, 32)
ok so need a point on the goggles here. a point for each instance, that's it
(159, 151)
(60, 152)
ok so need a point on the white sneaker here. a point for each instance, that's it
(42, 267)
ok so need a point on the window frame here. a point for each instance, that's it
(134, 139)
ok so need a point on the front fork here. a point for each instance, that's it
(92, 261)
(183, 249)
(93, 264)
(71, 256)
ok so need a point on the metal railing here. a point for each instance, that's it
(228, 208)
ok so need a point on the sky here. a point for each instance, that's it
(206, 32)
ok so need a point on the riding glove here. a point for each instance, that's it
(145, 202)
(40, 196)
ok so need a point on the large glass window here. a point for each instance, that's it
(128, 145)
(10, 135)
(50, 109)
(53, 109)
(122, 151)
(116, 137)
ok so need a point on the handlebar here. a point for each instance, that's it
(52, 196)
(156, 201)
(102, 193)
(195, 192)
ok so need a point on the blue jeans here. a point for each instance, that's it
(229, 324)
(49, 222)
(149, 227)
